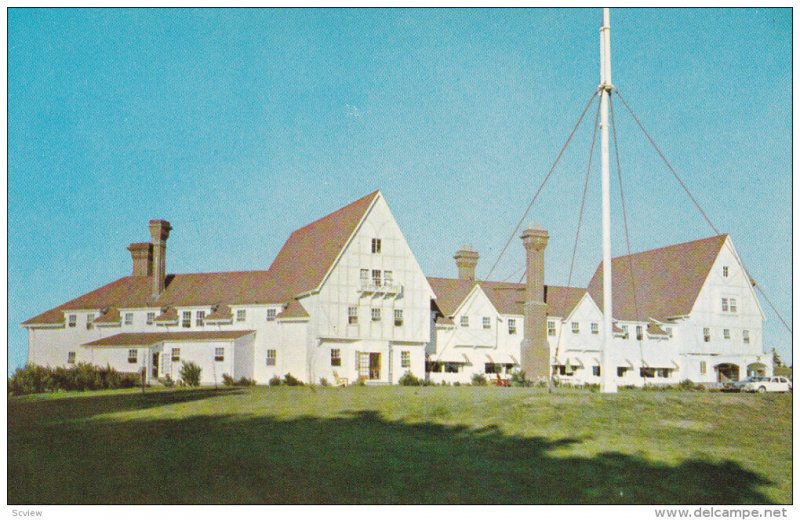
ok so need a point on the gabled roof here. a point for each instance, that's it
(148, 338)
(300, 266)
(667, 280)
(295, 309)
(111, 315)
(221, 313)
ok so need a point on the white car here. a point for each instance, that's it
(768, 384)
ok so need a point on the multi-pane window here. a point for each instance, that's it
(465, 321)
(200, 318)
(512, 326)
(398, 317)
(176, 354)
(128, 318)
(271, 357)
(706, 334)
(733, 304)
(352, 315)
(73, 320)
(388, 278)
(725, 271)
(639, 333)
(624, 332)
(271, 313)
(746, 336)
(702, 367)
(364, 276)
(89, 321)
(186, 322)
(376, 277)
(219, 354)
(151, 316)
(133, 355)
(726, 333)
(576, 327)
(376, 245)
(405, 359)
(596, 370)
(376, 314)
(487, 322)
(336, 357)
(595, 328)
(551, 328)
(70, 358)
(241, 314)
(724, 305)
(668, 330)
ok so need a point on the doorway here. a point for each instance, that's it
(727, 372)
(155, 365)
(374, 365)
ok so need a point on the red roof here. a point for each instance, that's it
(148, 338)
(300, 266)
(295, 309)
(667, 280)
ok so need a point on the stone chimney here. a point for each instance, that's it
(159, 232)
(142, 256)
(535, 354)
(466, 260)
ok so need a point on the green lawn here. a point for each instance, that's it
(399, 445)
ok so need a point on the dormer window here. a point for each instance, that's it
(241, 315)
(151, 316)
(89, 321)
(128, 318)
(270, 314)
(376, 246)
(73, 320)
(639, 334)
(186, 322)
(200, 318)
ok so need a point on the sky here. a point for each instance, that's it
(239, 126)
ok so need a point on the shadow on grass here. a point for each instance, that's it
(356, 458)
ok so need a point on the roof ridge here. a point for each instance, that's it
(671, 246)
(341, 210)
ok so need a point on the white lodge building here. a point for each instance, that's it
(346, 298)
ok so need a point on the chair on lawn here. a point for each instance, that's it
(339, 381)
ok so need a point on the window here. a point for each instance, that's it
(89, 321)
(595, 328)
(746, 336)
(647, 372)
(186, 322)
(596, 370)
(621, 371)
(200, 318)
(512, 326)
(452, 368)
(133, 355)
(271, 357)
(405, 359)
(241, 314)
(219, 354)
(576, 327)
(128, 318)
(662, 372)
(376, 245)
(493, 368)
(70, 358)
(487, 322)
(465, 321)
(336, 357)
(733, 304)
(551, 328)
(702, 367)
(668, 330)
(706, 334)
(724, 305)
(271, 313)
(724, 271)
(176, 354)
(376, 314)
(639, 333)
(151, 316)
(726, 333)
(352, 315)
(387, 278)
(364, 276)
(398, 317)
(73, 320)
(376, 277)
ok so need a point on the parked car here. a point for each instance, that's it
(768, 384)
(737, 386)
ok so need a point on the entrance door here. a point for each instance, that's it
(155, 365)
(374, 365)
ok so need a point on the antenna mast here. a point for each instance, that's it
(607, 381)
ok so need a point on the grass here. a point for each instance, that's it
(434, 445)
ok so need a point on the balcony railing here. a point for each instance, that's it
(373, 288)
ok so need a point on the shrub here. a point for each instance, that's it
(275, 381)
(228, 380)
(360, 381)
(30, 379)
(323, 381)
(409, 379)
(456, 383)
(478, 380)
(190, 373)
(33, 379)
(243, 381)
(167, 381)
(290, 380)
(518, 379)
(690, 386)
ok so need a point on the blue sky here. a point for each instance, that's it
(239, 126)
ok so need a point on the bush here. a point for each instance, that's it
(290, 380)
(323, 381)
(275, 381)
(228, 380)
(456, 383)
(33, 379)
(478, 380)
(190, 373)
(243, 381)
(409, 379)
(518, 379)
(167, 381)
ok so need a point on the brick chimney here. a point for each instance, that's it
(466, 261)
(535, 354)
(159, 232)
(142, 256)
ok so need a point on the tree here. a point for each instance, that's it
(776, 359)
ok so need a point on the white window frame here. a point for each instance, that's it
(200, 318)
(724, 305)
(746, 336)
(89, 321)
(241, 315)
(512, 326)
(336, 357)
(271, 314)
(151, 317)
(487, 322)
(726, 333)
(703, 368)
(128, 318)
(405, 359)
(706, 334)
(175, 355)
(398, 317)
(72, 320)
(595, 328)
(352, 315)
(551, 327)
(376, 277)
(464, 321)
(576, 327)
(272, 357)
(219, 354)
(375, 313)
(71, 357)
(724, 271)
(186, 319)
(388, 278)
(376, 246)
(133, 356)
(732, 305)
